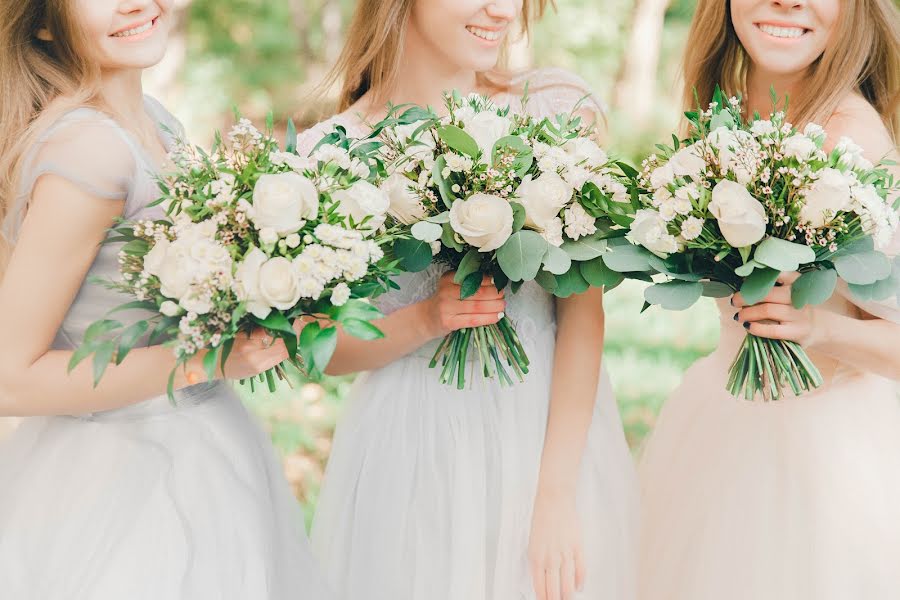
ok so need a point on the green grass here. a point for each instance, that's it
(645, 354)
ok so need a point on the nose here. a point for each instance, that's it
(795, 4)
(503, 10)
(128, 7)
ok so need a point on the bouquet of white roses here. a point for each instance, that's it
(492, 193)
(737, 203)
(253, 238)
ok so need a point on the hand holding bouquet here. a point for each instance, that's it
(253, 238)
(737, 203)
(490, 193)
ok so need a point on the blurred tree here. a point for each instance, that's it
(635, 86)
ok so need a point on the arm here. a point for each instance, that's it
(867, 343)
(57, 244)
(412, 326)
(555, 546)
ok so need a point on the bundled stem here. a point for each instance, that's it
(494, 345)
(766, 367)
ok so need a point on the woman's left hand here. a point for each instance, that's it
(775, 317)
(555, 551)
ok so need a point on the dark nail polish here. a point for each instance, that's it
(746, 325)
(735, 316)
(778, 284)
(731, 301)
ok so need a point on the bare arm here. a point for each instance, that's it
(57, 244)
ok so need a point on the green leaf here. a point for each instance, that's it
(291, 137)
(596, 273)
(426, 231)
(437, 173)
(440, 218)
(354, 309)
(758, 285)
(136, 305)
(458, 140)
(226, 352)
(670, 268)
(449, 238)
(209, 363)
(863, 268)
(323, 348)
(470, 285)
(102, 359)
(674, 295)
(716, 289)
(136, 247)
(814, 287)
(547, 281)
(362, 329)
(586, 248)
(414, 255)
(524, 154)
(721, 119)
(307, 340)
(570, 282)
(747, 268)
(783, 255)
(81, 353)
(556, 261)
(470, 263)
(101, 328)
(129, 338)
(276, 322)
(518, 216)
(520, 257)
(625, 258)
(880, 290)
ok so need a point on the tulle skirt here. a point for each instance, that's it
(429, 491)
(790, 500)
(151, 502)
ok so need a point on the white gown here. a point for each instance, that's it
(790, 500)
(429, 491)
(152, 501)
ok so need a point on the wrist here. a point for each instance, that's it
(822, 329)
(192, 372)
(423, 323)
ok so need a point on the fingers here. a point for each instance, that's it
(553, 583)
(474, 307)
(539, 578)
(568, 578)
(772, 331)
(787, 279)
(580, 569)
(767, 312)
(466, 321)
(780, 294)
(486, 292)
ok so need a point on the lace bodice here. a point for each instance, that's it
(550, 91)
(91, 150)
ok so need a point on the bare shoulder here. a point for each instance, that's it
(858, 120)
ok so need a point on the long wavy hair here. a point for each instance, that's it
(370, 59)
(43, 56)
(864, 58)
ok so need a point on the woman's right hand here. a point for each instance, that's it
(251, 355)
(446, 312)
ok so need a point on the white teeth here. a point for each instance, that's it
(136, 30)
(491, 36)
(782, 32)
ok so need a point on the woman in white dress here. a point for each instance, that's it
(796, 499)
(489, 493)
(130, 496)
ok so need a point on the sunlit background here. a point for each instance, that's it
(260, 55)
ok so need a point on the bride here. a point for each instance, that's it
(488, 493)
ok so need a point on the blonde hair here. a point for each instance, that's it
(33, 73)
(864, 58)
(370, 59)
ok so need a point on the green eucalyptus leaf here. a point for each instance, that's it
(426, 231)
(569, 283)
(586, 248)
(470, 285)
(674, 295)
(414, 255)
(716, 289)
(469, 264)
(102, 359)
(556, 261)
(596, 273)
(129, 338)
(626, 258)
(520, 257)
(783, 255)
(362, 329)
(758, 285)
(458, 140)
(814, 287)
(863, 268)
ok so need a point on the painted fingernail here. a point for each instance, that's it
(735, 316)
(746, 325)
(731, 301)
(778, 284)
(500, 315)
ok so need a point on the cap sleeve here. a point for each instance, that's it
(87, 149)
(172, 129)
(552, 91)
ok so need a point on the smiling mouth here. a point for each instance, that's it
(781, 32)
(485, 34)
(137, 30)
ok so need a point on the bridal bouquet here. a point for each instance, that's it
(491, 193)
(254, 237)
(737, 203)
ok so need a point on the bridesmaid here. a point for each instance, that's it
(488, 493)
(129, 496)
(794, 499)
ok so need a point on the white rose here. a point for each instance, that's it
(688, 162)
(650, 231)
(268, 236)
(586, 152)
(246, 283)
(762, 127)
(283, 202)
(543, 198)
(742, 218)
(176, 272)
(278, 283)
(154, 259)
(662, 176)
(169, 309)
(362, 200)
(482, 220)
(405, 204)
(486, 128)
(829, 195)
(799, 147)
